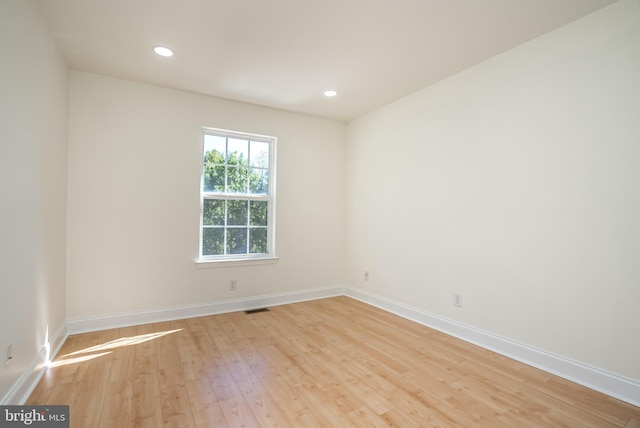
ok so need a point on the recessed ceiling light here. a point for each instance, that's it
(330, 93)
(163, 51)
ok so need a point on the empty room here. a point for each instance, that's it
(418, 213)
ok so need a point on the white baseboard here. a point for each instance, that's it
(614, 385)
(192, 311)
(25, 385)
(625, 389)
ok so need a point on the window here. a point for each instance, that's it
(237, 202)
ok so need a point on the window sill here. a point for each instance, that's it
(211, 264)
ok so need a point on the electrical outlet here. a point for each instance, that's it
(457, 300)
(366, 275)
(8, 355)
(233, 285)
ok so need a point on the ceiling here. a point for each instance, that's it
(286, 53)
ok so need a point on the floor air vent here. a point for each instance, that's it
(255, 311)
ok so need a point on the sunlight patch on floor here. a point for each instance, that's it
(68, 361)
(97, 351)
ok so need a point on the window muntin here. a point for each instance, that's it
(237, 188)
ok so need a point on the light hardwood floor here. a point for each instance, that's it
(326, 363)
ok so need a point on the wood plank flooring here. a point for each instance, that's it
(326, 363)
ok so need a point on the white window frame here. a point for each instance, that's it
(232, 259)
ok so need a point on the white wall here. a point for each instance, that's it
(517, 184)
(133, 213)
(33, 126)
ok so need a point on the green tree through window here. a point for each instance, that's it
(237, 197)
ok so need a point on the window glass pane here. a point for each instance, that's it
(237, 180)
(258, 210)
(214, 148)
(259, 181)
(237, 213)
(213, 178)
(213, 212)
(212, 241)
(237, 241)
(238, 152)
(259, 154)
(258, 240)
